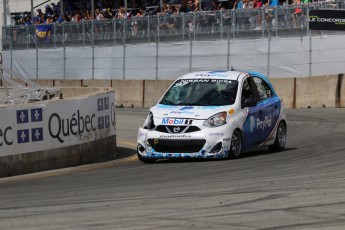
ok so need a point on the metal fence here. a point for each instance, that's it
(197, 26)
(249, 23)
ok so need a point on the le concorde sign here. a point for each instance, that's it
(327, 20)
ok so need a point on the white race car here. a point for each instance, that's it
(213, 115)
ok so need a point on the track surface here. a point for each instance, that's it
(300, 188)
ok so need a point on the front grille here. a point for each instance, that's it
(176, 129)
(177, 146)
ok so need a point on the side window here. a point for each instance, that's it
(263, 88)
(246, 90)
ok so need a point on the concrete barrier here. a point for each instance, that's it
(316, 92)
(313, 92)
(340, 103)
(58, 133)
(129, 93)
(70, 156)
(285, 88)
(154, 90)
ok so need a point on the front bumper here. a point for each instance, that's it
(210, 144)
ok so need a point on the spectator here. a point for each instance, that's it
(137, 22)
(297, 15)
(206, 5)
(49, 10)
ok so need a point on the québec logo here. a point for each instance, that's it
(29, 116)
(103, 121)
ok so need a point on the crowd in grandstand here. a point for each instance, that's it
(81, 10)
(78, 10)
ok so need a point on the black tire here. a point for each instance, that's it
(280, 141)
(236, 144)
(144, 159)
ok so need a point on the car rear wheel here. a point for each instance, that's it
(279, 143)
(236, 144)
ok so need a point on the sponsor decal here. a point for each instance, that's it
(80, 124)
(23, 136)
(169, 121)
(184, 82)
(36, 115)
(252, 124)
(22, 116)
(264, 124)
(106, 103)
(175, 136)
(100, 102)
(187, 107)
(327, 19)
(37, 134)
(211, 74)
(107, 121)
(59, 128)
(181, 112)
(142, 135)
(101, 123)
(216, 134)
(30, 123)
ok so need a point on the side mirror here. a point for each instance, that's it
(249, 102)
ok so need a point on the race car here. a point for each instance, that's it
(213, 114)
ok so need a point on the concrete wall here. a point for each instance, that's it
(315, 92)
(52, 149)
(71, 156)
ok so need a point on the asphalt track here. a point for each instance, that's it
(302, 187)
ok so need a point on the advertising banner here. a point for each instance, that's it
(55, 124)
(327, 20)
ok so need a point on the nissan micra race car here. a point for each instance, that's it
(213, 115)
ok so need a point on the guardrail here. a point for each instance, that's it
(242, 23)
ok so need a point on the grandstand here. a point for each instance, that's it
(118, 47)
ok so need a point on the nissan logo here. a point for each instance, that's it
(176, 129)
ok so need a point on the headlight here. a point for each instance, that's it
(216, 120)
(149, 124)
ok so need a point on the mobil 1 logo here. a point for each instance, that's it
(26, 117)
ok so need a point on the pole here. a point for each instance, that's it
(61, 7)
(93, 9)
(32, 11)
(268, 55)
(5, 12)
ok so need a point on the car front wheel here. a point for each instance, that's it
(143, 159)
(236, 144)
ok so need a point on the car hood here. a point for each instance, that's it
(192, 112)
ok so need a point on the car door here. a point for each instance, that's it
(249, 129)
(268, 108)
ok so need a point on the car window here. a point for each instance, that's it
(246, 90)
(203, 92)
(263, 88)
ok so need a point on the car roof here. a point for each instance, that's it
(230, 75)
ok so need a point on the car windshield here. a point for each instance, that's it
(203, 92)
